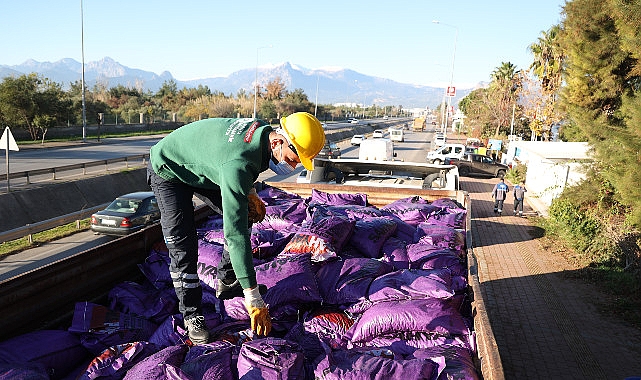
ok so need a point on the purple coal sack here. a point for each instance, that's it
(323, 235)
(374, 364)
(394, 252)
(209, 255)
(328, 325)
(156, 270)
(100, 327)
(345, 281)
(271, 359)
(406, 285)
(164, 364)
(212, 361)
(413, 210)
(133, 298)
(272, 222)
(458, 361)
(273, 195)
(440, 258)
(114, 362)
(23, 372)
(440, 236)
(56, 352)
(294, 211)
(370, 234)
(391, 318)
(268, 243)
(290, 279)
(340, 199)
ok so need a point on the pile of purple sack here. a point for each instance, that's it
(354, 291)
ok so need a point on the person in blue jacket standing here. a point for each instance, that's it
(519, 195)
(499, 193)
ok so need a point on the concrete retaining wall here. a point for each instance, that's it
(20, 208)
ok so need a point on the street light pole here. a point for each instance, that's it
(449, 100)
(82, 43)
(256, 79)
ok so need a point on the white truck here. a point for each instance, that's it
(439, 155)
(396, 174)
(396, 134)
(376, 150)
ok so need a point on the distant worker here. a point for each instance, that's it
(519, 194)
(218, 160)
(499, 193)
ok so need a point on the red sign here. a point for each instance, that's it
(451, 91)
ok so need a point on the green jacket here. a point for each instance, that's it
(225, 154)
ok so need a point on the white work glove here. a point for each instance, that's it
(261, 322)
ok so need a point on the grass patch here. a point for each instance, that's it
(19, 245)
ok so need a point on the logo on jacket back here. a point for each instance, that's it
(250, 132)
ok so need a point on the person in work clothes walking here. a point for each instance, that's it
(499, 193)
(218, 160)
(519, 194)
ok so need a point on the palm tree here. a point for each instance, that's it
(548, 59)
(504, 88)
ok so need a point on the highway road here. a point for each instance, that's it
(33, 157)
(413, 149)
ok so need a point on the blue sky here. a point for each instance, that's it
(195, 39)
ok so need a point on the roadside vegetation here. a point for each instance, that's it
(37, 239)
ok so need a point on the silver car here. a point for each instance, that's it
(126, 214)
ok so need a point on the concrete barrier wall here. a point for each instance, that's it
(20, 208)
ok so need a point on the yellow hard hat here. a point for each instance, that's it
(306, 134)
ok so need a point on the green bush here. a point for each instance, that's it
(516, 174)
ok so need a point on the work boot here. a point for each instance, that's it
(197, 329)
(233, 290)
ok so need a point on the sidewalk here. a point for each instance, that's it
(546, 324)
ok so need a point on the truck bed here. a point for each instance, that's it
(44, 298)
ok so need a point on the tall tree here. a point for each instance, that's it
(32, 103)
(502, 94)
(548, 66)
(603, 91)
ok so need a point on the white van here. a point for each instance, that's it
(376, 150)
(446, 151)
(396, 135)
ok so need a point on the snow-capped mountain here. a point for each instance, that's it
(334, 85)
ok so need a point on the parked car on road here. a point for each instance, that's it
(357, 139)
(126, 214)
(478, 164)
(378, 133)
(330, 150)
(352, 120)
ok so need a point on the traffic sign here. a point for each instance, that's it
(451, 91)
(7, 141)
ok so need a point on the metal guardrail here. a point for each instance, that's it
(84, 166)
(48, 224)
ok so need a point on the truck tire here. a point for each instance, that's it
(436, 161)
(464, 171)
(429, 180)
(500, 174)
